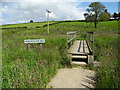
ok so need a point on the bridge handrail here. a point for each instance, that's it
(73, 32)
(71, 39)
(89, 35)
(72, 35)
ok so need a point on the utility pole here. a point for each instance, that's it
(48, 31)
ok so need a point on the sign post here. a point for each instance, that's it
(30, 41)
(48, 20)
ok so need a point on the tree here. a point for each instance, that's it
(85, 15)
(94, 10)
(104, 16)
(88, 17)
(119, 15)
(31, 21)
(115, 15)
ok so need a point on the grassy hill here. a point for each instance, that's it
(35, 67)
(28, 25)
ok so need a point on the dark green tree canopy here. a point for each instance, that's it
(119, 15)
(115, 15)
(104, 16)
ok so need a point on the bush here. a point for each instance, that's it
(31, 21)
(38, 26)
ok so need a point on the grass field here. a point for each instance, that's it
(35, 67)
(28, 25)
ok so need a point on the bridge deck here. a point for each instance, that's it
(79, 47)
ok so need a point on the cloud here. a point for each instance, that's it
(52, 15)
(26, 10)
(60, 0)
(4, 9)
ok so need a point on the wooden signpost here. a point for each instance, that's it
(30, 41)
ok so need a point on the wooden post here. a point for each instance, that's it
(67, 41)
(93, 43)
(90, 59)
(40, 46)
(28, 47)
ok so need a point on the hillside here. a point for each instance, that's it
(28, 25)
(35, 67)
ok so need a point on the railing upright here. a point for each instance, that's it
(90, 37)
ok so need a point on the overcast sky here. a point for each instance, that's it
(21, 11)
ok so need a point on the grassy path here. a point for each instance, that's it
(73, 78)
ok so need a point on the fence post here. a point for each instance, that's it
(93, 42)
(67, 40)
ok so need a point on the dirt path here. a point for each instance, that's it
(73, 78)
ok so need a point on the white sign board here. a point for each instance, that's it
(34, 41)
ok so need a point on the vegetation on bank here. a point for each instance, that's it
(107, 53)
(34, 68)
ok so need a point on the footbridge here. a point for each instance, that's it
(80, 51)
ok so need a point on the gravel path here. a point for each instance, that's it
(73, 78)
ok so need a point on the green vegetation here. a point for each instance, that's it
(107, 52)
(28, 25)
(105, 16)
(35, 67)
(94, 11)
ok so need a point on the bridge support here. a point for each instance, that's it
(90, 59)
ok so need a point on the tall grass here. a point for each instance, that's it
(107, 53)
(34, 68)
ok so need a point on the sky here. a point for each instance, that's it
(22, 11)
